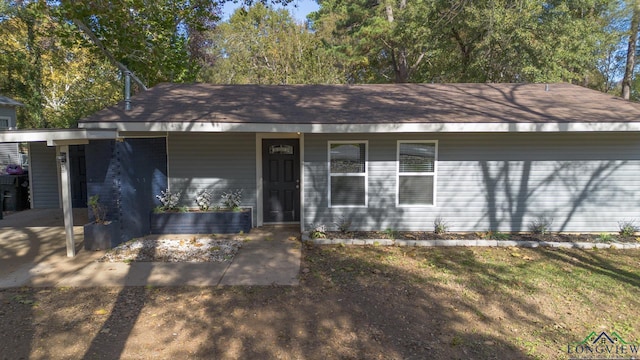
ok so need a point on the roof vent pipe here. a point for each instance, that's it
(546, 87)
(127, 90)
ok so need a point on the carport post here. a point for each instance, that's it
(67, 205)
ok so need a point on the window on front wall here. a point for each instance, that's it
(347, 173)
(4, 123)
(416, 173)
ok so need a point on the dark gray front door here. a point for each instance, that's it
(281, 180)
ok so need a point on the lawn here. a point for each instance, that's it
(353, 303)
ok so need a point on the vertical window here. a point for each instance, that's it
(347, 173)
(4, 123)
(416, 173)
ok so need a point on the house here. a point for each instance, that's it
(9, 152)
(480, 156)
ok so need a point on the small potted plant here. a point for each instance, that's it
(100, 234)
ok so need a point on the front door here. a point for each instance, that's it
(281, 180)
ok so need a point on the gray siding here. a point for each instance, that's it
(9, 154)
(585, 182)
(8, 151)
(10, 113)
(44, 176)
(218, 162)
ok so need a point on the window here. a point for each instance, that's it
(348, 174)
(416, 173)
(4, 123)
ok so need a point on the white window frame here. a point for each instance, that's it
(8, 122)
(365, 174)
(434, 174)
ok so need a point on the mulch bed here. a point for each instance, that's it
(429, 235)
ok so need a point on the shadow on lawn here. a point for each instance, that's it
(350, 307)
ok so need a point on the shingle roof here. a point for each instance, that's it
(9, 102)
(372, 104)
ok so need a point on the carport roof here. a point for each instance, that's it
(57, 136)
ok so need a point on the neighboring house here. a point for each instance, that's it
(480, 156)
(9, 152)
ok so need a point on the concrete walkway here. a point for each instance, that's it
(36, 257)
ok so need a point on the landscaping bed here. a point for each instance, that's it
(176, 249)
(430, 235)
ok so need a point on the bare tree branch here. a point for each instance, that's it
(85, 29)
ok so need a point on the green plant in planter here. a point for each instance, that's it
(203, 200)
(98, 210)
(232, 199)
(101, 234)
(169, 202)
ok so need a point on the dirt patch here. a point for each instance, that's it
(353, 302)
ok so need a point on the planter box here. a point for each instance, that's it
(218, 222)
(102, 236)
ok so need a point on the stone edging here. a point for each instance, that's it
(473, 243)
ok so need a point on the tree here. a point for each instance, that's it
(627, 80)
(381, 41)
(58, 80)
(469, 41)
(157, 40)
(261, 45)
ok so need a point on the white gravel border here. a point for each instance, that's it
(187, 249)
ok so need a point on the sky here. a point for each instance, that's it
(298, 8)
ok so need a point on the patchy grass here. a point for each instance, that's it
(537, 300)
(353, 302)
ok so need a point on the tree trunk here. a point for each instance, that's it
(631, 51)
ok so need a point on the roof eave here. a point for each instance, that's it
(365, 128)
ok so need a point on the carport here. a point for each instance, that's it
(61, 139)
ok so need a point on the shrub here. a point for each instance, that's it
(232, 199)
(440, 226)
(628, 228)
(203, 200)
(318, 231)
(343, 224)
(541, 225)
(605, 237)
(169, 200)
(98, 210)
(391, 233)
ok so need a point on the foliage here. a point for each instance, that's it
(605, 237)
(440, 226)
(169, 200)
(159, 41)
(497, 235)
(97, 209)
(318, 232)
(470, 41)
(541, 225)
(391, 233)
(203, 200)
(261, 45)
(343, 224)
(44, 65)
(232, 199)
(628, 228)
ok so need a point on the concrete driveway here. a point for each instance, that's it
(33, 253)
